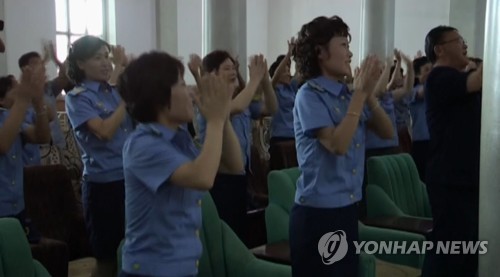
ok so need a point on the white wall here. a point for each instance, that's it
(27, 23)
(414, 19)
(136, 25)
(189, 31)
(286, 17)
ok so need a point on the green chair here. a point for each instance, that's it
(395, 189)
(224, 254)
(15, 253)
(282, 186)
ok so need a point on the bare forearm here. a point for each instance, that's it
(280, 69)
(206, 165)
(244, 98)
(475, 80)
(341, 137)
(232, 159)
(270, 99)
(12, 125)
(113, 80)
(107, 128)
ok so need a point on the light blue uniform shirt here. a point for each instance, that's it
(31, 152)
(242, 125)
(11, 176)
(163, 220)
(326, 180)
(102, 160)
(282, 121)
(375, 142)
(420, 131)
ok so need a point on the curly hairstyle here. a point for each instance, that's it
(146, 84)
(311, 37)
(82, 49)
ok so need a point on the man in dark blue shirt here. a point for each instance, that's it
(453, 99)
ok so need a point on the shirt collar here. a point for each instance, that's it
(96, 86)
(322, 83)
(158, 130)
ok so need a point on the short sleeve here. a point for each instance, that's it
(312, 112)
(446, 84)
(255, 109)
(80, 109)
(152, 166)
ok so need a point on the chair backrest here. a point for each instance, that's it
(224, 254)
(52, 205)
(281, 186)
(15, 252)
(397, 175)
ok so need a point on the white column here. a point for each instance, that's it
(489, 220)
(226, 28)
(377, 23)
(166, 26)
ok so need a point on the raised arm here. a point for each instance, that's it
(120, 61)
(257, 70)
(195, 67)
(39, 132)
(270, 106)
(409, 81)
(339, 138)
(214, 103)
(282, 66)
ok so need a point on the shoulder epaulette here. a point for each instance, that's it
(316, 86)
(77, 90)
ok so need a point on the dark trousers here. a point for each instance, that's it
(282, 153)
(308, 225)
(230, 197)
(404, 139)
(420, 155)
(455, 212)
(104, 208)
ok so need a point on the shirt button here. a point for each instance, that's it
(199, 202)
(301, 200)
(357, 145)
(13, 157)
(197, 263)
(13, 182)
(136, 266)
(354, 171)
(342, 97)
(352, 196)
(125, 129)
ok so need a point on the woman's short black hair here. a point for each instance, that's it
(313, 35)
(146, 84)
(214, 59)
(83, 49)
(25, 59)
(434, 38)
(418, 63)
(275, 65)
